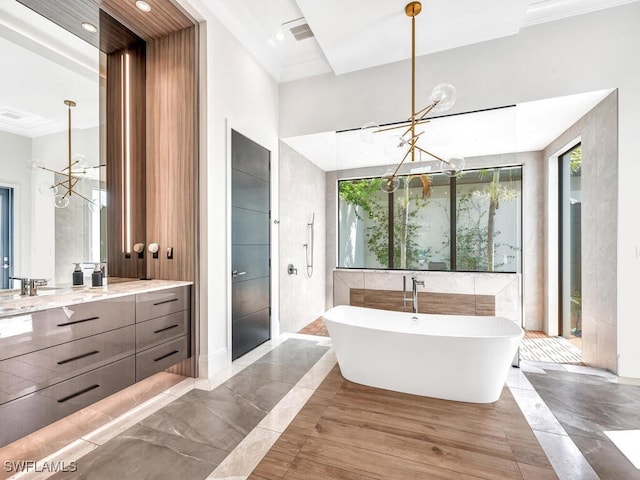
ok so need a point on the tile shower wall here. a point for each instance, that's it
(532, 218)
(302, 193)
(598, 131)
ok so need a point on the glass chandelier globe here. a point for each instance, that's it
(368, 132)
(61, 201)
(453, 167)
(445, 96)
(390, 182)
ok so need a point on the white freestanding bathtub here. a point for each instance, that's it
(452, 357)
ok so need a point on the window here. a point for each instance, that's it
(433, 222)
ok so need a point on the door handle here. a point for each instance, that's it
(236, 273)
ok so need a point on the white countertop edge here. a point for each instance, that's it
(72, 296)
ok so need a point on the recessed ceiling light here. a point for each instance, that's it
(280, 34)
(89, 27)
(144, 6)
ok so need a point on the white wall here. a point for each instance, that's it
(302, 193)
(584, 53)
(235, 92)
(16, 152)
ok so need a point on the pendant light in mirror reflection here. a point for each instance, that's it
(398, 148)
(65, 183)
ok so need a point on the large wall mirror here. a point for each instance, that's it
(53, 95)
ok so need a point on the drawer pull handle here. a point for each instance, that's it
(78, 321)
(167, 328)
(81, 392)
(165, 301)
(165, 356)
(79, 357)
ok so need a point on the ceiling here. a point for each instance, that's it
(352, 35)
(30, 45)
(526, 127)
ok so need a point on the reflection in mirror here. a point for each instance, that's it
(44, 65)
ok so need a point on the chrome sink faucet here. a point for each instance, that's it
(29, 286)
(414, 292)
(34, 283)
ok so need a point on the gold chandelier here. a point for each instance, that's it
(73, 173)
(406, 145)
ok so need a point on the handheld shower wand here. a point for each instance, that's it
(308, 247)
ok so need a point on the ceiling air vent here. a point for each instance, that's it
(11, 115)
(300, 32)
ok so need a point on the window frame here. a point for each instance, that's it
(452, 224)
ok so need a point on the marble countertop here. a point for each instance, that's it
(11, 303)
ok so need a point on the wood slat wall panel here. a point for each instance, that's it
(485, 305)
(428, 302)
(119, 265)
(446, 303)
(384, 300)
(163, 19)
(172, 161)
(69, 14)
(356, 297)
(171, 154)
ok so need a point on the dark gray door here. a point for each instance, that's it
(6, 236)
(250, 238)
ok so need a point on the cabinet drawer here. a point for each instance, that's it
(37, 330)
(30, 413)
(162, 302)
(163, 356)
(162, 329)
(27, 373)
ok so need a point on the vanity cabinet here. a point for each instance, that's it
(28, 373)
(57, 361)
(29, 413)
(162, 328)
(29, 332)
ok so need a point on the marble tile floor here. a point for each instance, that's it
(147, 396)
(192, 434)
(588, 403)
(141, 435)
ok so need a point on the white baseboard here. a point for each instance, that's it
(212, 364)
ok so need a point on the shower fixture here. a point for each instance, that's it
(308, 247)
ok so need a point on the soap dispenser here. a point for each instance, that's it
(78, 276)
(96, 276)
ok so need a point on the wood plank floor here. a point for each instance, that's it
(317, 327)
(352, 432)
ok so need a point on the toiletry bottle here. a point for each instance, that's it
(96, 276)
(78, 276)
